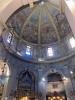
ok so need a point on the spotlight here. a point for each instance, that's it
(43, 79)
(64, 78)
(71, 72)
(42, 3)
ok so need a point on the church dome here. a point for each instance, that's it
(39, 32)
(42, 24)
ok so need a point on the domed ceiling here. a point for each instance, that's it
(41, 24)
(39, 33)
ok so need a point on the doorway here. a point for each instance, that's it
(55, 87)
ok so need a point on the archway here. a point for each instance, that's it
(26, 86)
(55, 87)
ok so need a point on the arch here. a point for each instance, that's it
(5, 12)
(53, 77)
(25, 71)
(55, 87)
(26, 85)
(50, 71)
